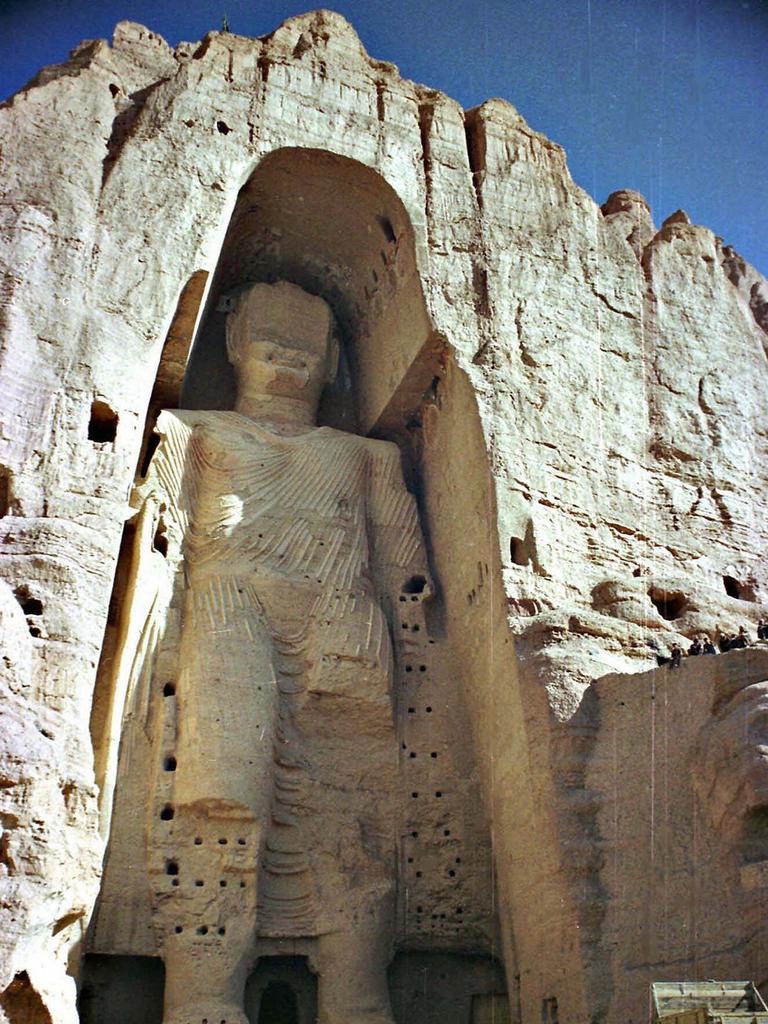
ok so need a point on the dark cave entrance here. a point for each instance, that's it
(669, 605)
(278, 1004)
(281, 990)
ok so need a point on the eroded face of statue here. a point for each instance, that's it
(280, 342)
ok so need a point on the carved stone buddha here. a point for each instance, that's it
(262, 677)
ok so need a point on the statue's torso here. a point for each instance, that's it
(290, 508)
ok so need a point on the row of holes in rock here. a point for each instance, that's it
(202, 929)
(450, 870)
(168, 813)
(199, 883)
(439, 919)
(413, 754)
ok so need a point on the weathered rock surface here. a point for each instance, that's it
(581, 404)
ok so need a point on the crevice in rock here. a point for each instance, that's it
(758, 303)
(23, 1004)
(754, 835)
(6, 858)
(697, 501)
(264, 64)
(6, 496)
(203, 48)
(736, 269)
(380, 105)
(481, 290)
(614, 309)
(476, 141)
(713, 427)
(426, 117)
(67, 920)
(123, 127)
(722, 508)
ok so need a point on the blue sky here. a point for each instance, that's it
(669, 97)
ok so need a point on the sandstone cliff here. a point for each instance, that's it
(580, 399)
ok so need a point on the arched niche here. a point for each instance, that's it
(338, 229)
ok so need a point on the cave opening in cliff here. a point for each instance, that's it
(281, 990)
(669, 604)
(445, 987)
(121, 990)
(732, 587)
(278, 1004)
(517, 552)
(102, 426)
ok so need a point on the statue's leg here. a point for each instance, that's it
(352, 748)
(352, 971)
(222, 763)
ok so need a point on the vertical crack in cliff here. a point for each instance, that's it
(381, 111)
(426, 117)
(710, 417)
(722, 508)
(476, 141)
(124, 126)
(477, 146)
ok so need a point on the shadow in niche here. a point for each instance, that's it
(279, 1004)
(754, 836)
(448, 988)
(281, 990)
(121, 990)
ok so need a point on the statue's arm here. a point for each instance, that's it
(168, 492)
(162, 503)
(399, 559)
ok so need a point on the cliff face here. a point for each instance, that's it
(581, 403)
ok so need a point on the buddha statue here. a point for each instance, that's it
(262, 674)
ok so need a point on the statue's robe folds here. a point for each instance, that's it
(259, 690)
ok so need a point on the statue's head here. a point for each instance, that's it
(280, 341)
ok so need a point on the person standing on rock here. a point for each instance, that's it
(707, 646)
(740, 641)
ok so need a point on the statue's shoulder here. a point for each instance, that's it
(177, 427)
(386, 451)
(187, 420)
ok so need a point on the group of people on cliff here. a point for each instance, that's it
(702, 644)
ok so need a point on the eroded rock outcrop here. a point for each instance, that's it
(580, 405)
